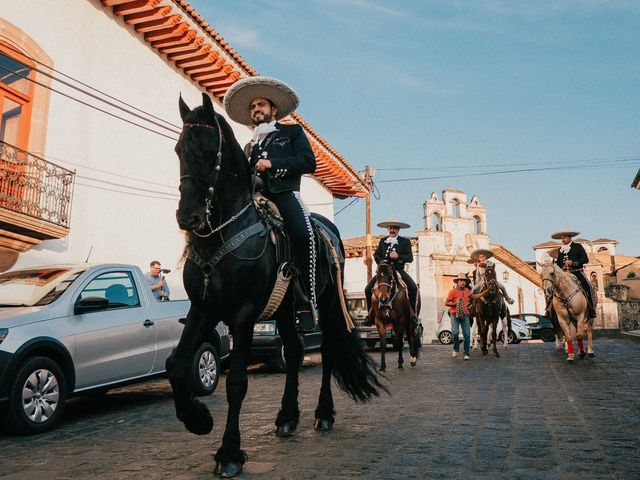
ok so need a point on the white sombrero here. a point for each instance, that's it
(475, 253)
(239, 96)
(564, 233)
(393, 222)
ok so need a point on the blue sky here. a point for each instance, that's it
(427, 89)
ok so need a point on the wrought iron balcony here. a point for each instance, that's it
(35, 191)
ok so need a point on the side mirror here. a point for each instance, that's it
(90, 304)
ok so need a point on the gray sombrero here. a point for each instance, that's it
(475, 253)
(391, 222)
(564, 233)
(461, 276)
(239, 96)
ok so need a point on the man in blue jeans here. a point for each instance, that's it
(458, 303)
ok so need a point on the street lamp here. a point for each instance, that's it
(505, 275)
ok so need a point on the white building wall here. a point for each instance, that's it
(117, 213)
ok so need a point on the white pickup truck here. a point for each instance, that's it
(67, 329)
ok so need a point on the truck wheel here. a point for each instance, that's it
(36, 398)
(206, 370)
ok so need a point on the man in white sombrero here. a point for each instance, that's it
(280, 154)
(480, 259)
(573, 257)
(397, 251)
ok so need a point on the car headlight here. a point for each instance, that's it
(3, 334)
(264, 328)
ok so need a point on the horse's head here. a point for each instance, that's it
(206, 149)
(490, 278)
(385, 281)
(548, 277)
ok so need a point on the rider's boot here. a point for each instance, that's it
(307, 316)
(306, 312)
(368, 320)
(413, 321)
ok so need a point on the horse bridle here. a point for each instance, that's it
(392, 294)
(212, 181)
(553, 290)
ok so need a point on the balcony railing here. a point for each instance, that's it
(33, 186)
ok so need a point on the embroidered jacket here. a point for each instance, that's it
(290, 154)
(577, 254)
(402, 248)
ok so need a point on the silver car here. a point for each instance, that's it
(69, 329)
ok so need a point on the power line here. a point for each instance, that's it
(92, 88)
(88, 104)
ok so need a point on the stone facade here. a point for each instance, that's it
(453, 227)
(629, 316)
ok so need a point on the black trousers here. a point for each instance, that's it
(586, 286)
(411, 286)
(298, 225)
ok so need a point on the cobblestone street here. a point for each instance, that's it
(526, 415)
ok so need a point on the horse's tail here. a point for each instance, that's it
(353, 368)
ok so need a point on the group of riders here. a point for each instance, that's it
(280, 154)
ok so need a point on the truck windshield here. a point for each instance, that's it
(32, 287)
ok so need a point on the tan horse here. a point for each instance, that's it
(570, 305)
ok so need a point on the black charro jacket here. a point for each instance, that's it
(402, 248)
(290, 154)
(577, 254)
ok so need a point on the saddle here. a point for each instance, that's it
(327, 243)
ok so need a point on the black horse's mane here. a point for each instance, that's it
(231, 150)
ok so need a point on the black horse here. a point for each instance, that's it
(488, 305)
(230, 269)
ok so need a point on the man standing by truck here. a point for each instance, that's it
(157, 282)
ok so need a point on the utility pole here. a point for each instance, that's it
(368, 255)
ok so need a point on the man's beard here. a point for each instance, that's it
(266, 118)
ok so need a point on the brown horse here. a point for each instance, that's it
(390, 304)
(570, 304)
(488, 305)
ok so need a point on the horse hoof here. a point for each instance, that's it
(323, 425)
(413, 361)
(497, 355)
(591, 354)
(382, 368)
(228, 469)
(286, 429)
(400, 367)
(582, 354)
(484, 352)
(197, 419)
(569, 359)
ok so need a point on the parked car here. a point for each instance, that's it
(541, 326)
(519, 330)
(267, 344)
(70, 329)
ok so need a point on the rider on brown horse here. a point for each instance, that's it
(573, 257)
(397, 251)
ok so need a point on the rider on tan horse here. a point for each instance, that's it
(572, 257)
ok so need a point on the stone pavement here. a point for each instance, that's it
(526, 415)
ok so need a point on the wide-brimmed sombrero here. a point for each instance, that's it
(393, 221)
(564, 233)
(462, 276)
(239, 96)
(475, 253)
